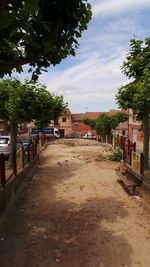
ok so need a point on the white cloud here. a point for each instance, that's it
(106, 7)
(91, 78)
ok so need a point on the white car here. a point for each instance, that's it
(5, 145)
(87, 136)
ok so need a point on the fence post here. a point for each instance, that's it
(29, 153)
(113, 141)
(134, 147)
(141, 163)
(14, 162)
(132, 159)
(123, 148)
(23, 156)
(2, 169)
(121, 142)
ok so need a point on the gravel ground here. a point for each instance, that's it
(74, 213)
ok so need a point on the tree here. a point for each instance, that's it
(40, 32)
(90, 122)
(136, 95)
(25, 102)
(104, 124)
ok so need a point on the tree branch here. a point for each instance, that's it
(52, 38)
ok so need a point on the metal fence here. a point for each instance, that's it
(23, 157)
(135, 159)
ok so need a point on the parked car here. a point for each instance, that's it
(5, 145)
(70, 136)
(87, 136)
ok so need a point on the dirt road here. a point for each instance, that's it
(73, 213)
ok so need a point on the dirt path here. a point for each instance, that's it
(73, 213)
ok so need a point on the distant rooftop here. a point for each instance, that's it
(93, 115)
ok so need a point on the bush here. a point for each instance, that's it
(116, 156)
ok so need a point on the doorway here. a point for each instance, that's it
(62, 133)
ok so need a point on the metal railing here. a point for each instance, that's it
(23, 157)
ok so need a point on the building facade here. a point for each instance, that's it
(79, 128)
(135, 132)
(64, 123)
(69, 123)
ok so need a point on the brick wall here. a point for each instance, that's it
(79, 126)
(139, 133)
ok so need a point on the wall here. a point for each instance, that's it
(9, 193)
(134, 124)
(65, 126)
(81, 127)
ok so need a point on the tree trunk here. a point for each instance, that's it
(146, 131)
(13, 134)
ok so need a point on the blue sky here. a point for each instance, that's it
(90, 80)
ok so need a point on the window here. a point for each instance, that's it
(76, 123)
(56, 122)
(63, 119)
(3, 141)
(79, 132)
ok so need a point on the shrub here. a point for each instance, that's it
(116, 156)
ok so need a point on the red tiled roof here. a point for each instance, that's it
(81, 116)
(93, 115)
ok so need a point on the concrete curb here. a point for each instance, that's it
(9, 193)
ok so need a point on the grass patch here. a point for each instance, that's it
(70, 144)
(116, 156)
(101, 157)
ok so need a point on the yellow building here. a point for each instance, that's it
(63, 124)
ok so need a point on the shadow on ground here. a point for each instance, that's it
(61, 235)
(47, 232)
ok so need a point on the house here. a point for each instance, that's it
(122, 128)
(69, 123)
(80, 129)
(135, 132)
(64, 123)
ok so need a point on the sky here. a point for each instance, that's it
(90, 80)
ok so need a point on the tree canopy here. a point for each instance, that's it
(136, 95)
(40, 32)
(90, 122)
(137, 63)
(104, 124)
(24, 102)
